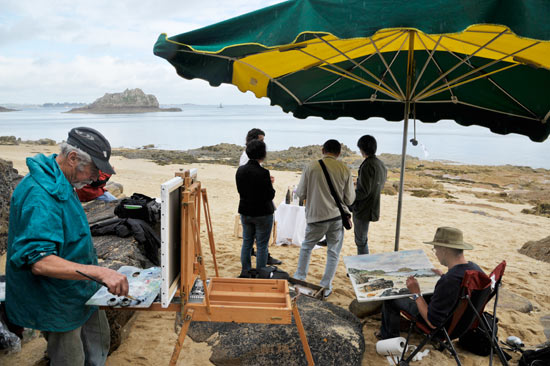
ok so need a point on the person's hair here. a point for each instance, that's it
(253, 134)
(367, 144)
(84, 158)
(332, 147)
(456, 252)
(256, 150)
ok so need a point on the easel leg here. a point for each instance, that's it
(181, 337)
(302, 333)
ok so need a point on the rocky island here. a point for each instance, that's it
(2, 109)
(129, 101)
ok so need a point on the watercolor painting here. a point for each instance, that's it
(382, 276)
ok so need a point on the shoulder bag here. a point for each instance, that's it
(346, 217)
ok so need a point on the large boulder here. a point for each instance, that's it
(334, 334)
(538, 249)
(9, 178)
(363, 309)
(511, 301)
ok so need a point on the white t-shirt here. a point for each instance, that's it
(244, 159)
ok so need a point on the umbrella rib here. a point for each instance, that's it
(360, 63)
(454, 83)
(387, 67)
(395, 56)
(361, 81)
(488, 78)
(480, 48)
(497, 111)
(355, 100)
(430, 57)
(441, 88)
(380, 81)
(252, 67)
(545, 119)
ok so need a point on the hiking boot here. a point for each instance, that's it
(273, 261)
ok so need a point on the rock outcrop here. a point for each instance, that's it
(334, 335)
(2, 109)
(129, 101)
(9, 178)
(538, 249)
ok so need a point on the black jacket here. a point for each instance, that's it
(371, 179)
(255, 189)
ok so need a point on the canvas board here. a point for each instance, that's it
(144, 285)
(170, 237)
(382, 276)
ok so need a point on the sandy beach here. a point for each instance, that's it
(496, 229)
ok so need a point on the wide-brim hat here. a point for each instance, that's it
(449, 237)
(95, 144)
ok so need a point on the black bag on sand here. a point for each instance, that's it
(139, 206)
(539, 357)
(266, 272)
(273, 272)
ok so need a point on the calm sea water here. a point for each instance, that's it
(202, 125)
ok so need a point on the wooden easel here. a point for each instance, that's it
(239, 300)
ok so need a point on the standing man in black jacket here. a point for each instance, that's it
(255, 206)
(371, 179)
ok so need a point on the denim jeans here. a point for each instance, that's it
(361, 232)
(86, 345)
(334, 232)
(259, 228)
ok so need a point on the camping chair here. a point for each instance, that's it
(476, 290)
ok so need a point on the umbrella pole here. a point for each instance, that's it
(410, 72)
(402, 175)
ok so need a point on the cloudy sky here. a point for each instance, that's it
(77, 50)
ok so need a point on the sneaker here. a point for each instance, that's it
(326, 293)
(273, 261)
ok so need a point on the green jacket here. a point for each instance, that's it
(47, 218)
(370, 182)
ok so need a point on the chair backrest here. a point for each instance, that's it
(475, 288)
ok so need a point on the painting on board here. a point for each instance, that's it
(382, 276)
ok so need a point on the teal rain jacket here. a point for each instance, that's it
(47, 218)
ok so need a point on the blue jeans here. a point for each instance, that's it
(361, 231)
(86, 345)
(334, 231)
(259, 228)
(107, 197)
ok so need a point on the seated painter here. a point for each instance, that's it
(449, 249)
(96, 190)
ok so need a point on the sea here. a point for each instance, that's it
(204, 125)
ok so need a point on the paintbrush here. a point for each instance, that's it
(103, 284)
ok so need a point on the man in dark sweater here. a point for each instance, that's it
(371, 179)
(448, 247)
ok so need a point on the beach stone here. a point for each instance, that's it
(9, 178)
(538, 249)
(511, 301)
(335, 338)
(363, 309)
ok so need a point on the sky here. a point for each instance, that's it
(78, 50)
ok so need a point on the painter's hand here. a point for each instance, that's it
(412, 285)
(116, 282)
(437, 271)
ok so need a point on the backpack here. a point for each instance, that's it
(475, 341)
(139, 206)
(539, 357)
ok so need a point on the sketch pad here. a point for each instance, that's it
(144, 285)
(382, 276)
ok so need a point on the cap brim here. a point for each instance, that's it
(103, 165)
(464, 246)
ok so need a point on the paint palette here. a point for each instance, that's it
(144, 286)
